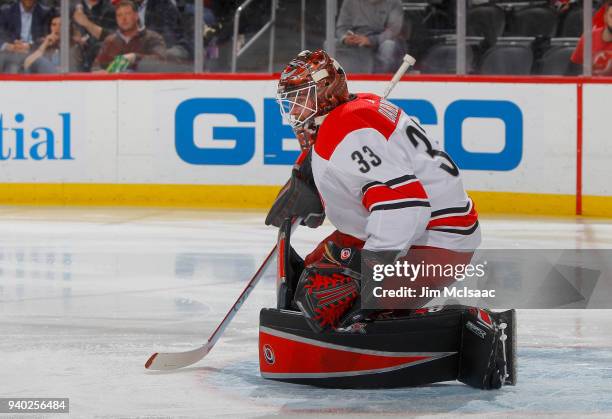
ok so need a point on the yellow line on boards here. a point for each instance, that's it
(597, 206)
(523, 203)
(261, 197)
(153, 195)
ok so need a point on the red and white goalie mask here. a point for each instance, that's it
(310, 86)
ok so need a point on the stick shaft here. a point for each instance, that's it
(406, 64)
(170, 361)
(214, 337)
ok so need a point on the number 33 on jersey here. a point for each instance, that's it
(383, 180)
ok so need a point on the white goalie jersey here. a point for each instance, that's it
(384, 181)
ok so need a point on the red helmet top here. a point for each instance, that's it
(310, 86)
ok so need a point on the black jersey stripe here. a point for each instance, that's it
(399, 180)
(369, 185)
(398, 205)
(454, 210)
(390, 183)
(455, 231)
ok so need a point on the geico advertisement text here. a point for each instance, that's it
(275, 131)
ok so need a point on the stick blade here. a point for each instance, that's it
(171, 361)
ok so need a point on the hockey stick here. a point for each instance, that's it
(175, 360)
(408, 62)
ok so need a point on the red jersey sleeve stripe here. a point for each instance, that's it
(412, 190)
(382, 193)
(466, 220)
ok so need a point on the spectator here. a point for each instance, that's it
(95, 20)
(162, 16)
(135, 44)
(601, 46)
(369, 34)
(21, 24)
(46, 57)
(598, 18)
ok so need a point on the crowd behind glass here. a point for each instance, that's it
(501, 37)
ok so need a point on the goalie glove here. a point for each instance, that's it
(298, 198)
(328, 289)
(325, 293)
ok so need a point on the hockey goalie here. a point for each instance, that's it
(379, 179)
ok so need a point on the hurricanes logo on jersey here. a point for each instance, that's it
(388, 110)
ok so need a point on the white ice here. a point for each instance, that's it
(86, 295)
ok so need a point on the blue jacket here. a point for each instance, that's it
(10, 22)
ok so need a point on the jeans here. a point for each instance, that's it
(43, 66)
(386, 58)
(11, 62)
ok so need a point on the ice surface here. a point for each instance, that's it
(86, 295)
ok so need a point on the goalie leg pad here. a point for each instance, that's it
(416, 347)
(488, 354)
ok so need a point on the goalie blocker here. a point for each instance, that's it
(427, 345)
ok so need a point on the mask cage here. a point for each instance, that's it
(294, 104)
